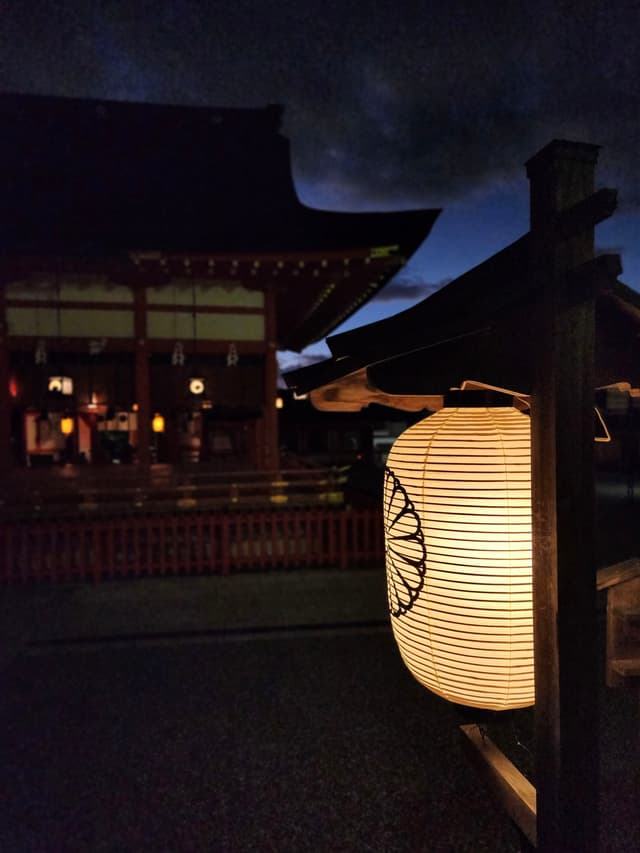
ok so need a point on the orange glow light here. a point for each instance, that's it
(66, 425)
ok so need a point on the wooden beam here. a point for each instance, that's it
(513, 791)
(352, 393)
(618, 573)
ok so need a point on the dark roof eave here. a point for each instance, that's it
(397, 234)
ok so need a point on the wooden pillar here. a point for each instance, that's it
(562, 423)
(269, 454)
(5, 397)
(142, 379)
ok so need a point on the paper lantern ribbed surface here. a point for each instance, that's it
(457, 506)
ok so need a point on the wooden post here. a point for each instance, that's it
(5, 397)
(142, 381)
(269, 455)
(562, 425)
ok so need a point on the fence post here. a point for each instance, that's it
(344, 539)
(224, 556)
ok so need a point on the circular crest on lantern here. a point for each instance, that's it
(405, 549)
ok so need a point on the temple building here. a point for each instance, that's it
(153, 259)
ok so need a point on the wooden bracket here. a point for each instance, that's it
(512, 789)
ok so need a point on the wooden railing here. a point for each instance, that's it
(71, 491)
(187, 543)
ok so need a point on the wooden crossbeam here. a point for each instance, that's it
(510, 787)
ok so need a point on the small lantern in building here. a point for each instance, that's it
(60, 385)
(457, 515)
(66, 425)
(279, 403)
(157, 424)
(196, 385)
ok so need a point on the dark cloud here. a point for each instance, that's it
(408, 288)
(388, 102)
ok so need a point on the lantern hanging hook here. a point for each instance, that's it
(473, 384)
(525, 399)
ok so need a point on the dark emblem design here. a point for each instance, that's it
(405, 548)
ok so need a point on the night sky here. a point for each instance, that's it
(389, 105)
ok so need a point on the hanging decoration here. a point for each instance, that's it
(97, 346)
(457, 515)
(40, 355)
(232, 356)
(196, 382)
(177, 356)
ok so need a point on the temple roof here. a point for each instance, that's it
(89, 178)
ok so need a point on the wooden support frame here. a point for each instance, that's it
(563, 506)
(525, 319)
(622, 584)
(511, 788)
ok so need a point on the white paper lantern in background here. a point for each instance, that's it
(457, 506)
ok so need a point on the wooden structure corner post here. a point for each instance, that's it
(5, 396)
(567, 760)
(142, 377)
(270, 444)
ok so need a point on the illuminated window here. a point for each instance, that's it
(60, 385)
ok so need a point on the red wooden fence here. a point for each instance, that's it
(66, 550)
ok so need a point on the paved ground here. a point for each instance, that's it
(306, 739)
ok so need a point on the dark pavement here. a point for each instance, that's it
(316, 742)
(194, 732)
(249, 713)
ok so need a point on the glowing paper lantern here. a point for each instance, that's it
(157, 424)
(196, 385)
(66, 425)
(457, 506)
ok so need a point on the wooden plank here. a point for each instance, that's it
(513, 791)
(581, 216)
(618, 573)
(627, 667)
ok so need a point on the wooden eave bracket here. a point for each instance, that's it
(352, 393)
